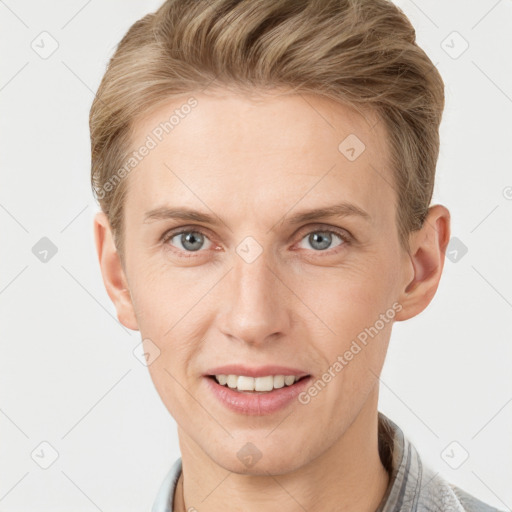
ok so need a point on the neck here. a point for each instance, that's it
(348, 476)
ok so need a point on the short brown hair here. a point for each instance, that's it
(362, 53)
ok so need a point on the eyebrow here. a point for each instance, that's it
(337, 210)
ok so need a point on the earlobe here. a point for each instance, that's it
(428, 248)
(114, 277)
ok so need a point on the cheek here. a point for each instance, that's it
(172, 388)
(163, 295)
(348, 298)
(174, 309)
(353, 309)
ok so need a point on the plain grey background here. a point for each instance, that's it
(75, 398)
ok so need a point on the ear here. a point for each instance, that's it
(426, 256)
(114, 277)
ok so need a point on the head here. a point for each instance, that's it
(251, 114)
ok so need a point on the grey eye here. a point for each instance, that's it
(321, 240)
(190, 240)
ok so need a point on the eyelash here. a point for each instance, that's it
(344, 235)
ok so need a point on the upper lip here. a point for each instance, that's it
(259, 371)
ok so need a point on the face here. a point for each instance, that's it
(252, 280)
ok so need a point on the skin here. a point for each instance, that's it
(253, 162)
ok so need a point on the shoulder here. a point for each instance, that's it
(443, 496)
(415, 486)
(470, 503)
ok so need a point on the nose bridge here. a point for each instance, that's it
(255, 310)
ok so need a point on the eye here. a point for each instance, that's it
(187, 240)
(320, 240)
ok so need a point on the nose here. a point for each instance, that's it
(254, 301)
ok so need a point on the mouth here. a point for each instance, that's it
(265, 394)
(259, 385)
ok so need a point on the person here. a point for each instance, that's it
(265, 171)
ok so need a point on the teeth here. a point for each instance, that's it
(222, 379)
(232, 381)
(289, 380)
(267, 383)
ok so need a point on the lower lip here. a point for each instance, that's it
(258, 404)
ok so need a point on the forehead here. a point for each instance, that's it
(259, 151)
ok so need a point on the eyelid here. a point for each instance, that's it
(327, 228)
(171, 233)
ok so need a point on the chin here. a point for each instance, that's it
(246, 462)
